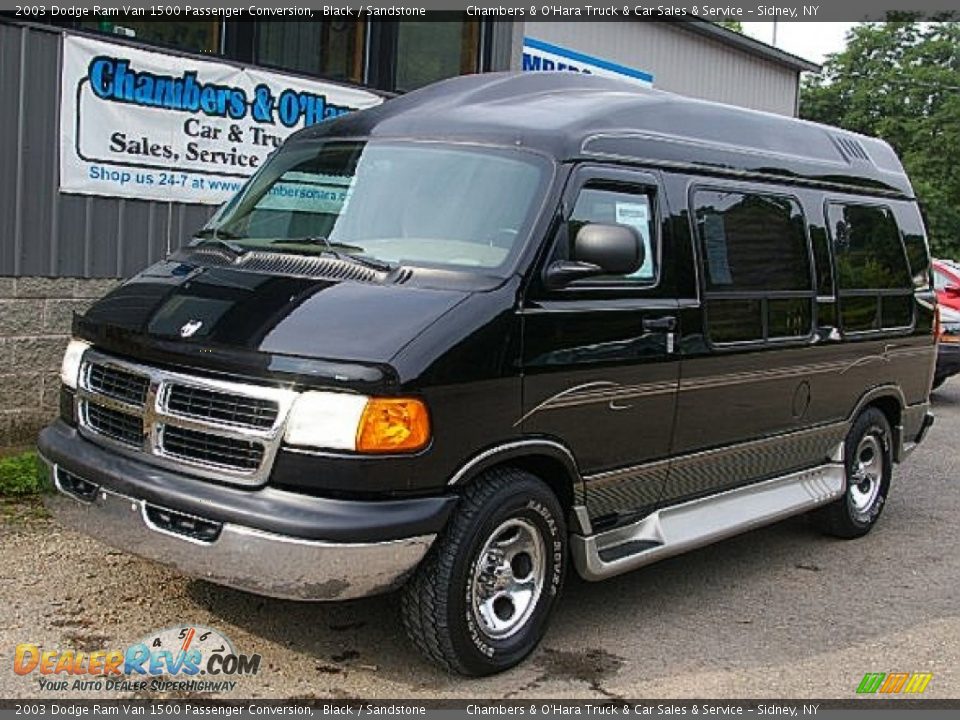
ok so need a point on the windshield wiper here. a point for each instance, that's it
(317, 240)
(337, 250)
(217, 234)
(221, 238)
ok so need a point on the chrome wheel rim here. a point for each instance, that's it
(867, 475)
(508, 578)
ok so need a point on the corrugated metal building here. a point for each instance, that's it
(48, 233)
(690, 58)
(44, 232)
(60, 249)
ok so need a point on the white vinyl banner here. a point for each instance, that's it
(141, 124)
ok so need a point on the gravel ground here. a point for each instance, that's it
(779, 612)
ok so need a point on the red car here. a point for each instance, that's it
(946, 281)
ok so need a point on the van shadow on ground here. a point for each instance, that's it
(773, 597)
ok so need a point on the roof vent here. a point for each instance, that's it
(850, 148)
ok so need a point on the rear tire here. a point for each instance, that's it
(868, 455)
(480, 601)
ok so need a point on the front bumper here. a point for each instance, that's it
(264, 541)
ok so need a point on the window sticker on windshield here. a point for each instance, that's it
(306, 193)
(637, 216)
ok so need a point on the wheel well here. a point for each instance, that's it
(550, 470)
(553, 472)
(889, 406)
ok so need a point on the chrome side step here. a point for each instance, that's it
(674, 530)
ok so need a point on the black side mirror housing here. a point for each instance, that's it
(616, 249)
(598, 249)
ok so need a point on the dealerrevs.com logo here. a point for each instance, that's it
(894, 683)
(185, 658)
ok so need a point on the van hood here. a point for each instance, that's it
(263, 324)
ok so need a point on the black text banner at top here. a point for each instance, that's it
(515, 10)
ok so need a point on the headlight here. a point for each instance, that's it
(70, 368)
(341, 421)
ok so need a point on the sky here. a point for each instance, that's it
(810, 40)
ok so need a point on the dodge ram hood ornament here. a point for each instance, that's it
(190, 328)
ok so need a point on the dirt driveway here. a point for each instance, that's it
(780, 612)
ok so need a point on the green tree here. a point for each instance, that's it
(734, 25)
(900, 81)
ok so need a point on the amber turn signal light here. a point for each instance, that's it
(393, 425)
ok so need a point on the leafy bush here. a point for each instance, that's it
(22, 474)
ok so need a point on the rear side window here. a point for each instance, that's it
(915, 241)
(873, 276)
(755, 261)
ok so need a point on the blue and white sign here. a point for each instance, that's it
(540, 56)
(143, 124)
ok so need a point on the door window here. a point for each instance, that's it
(615, 205)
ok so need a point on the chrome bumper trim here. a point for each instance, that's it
(241, 557)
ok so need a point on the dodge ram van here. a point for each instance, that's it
(498, 328)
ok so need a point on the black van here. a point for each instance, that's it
(496, 327)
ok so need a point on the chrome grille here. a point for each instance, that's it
(118, 384)
(215, 429)
(198, 402)
(210, 449)
(114, 424)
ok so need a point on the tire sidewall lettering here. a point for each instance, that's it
(547, 524)
(473, 630)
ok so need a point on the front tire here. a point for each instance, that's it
(480, 601)
(868, 454)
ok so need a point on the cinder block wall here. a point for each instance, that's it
(35, 318)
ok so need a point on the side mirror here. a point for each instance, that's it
(598, 249)
(952, 289)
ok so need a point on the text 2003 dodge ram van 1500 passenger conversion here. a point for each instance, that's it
(496, 327)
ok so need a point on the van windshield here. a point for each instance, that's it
(396, 203)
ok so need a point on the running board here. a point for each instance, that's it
(676, 529)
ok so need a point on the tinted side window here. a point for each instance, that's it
(915, 241)
(752, 243)
(874, 284)
(869, 253)
(616, 205)
(755, 260)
